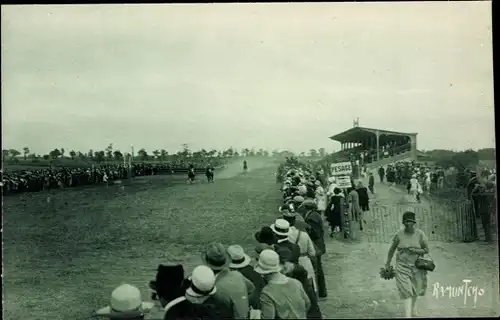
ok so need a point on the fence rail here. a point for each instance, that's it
(439, 223)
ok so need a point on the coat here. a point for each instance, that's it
(313, 218)
(233, 289)
(258, 282)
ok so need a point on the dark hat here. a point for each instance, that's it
(215, 257)
(168, 282)
(409, 216)
(265, 235)
(309, 204)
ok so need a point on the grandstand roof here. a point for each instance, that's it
(358, 133)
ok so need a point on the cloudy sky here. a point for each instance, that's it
(245, 75)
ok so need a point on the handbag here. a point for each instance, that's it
(425, 263)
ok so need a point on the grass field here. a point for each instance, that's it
(63, 258)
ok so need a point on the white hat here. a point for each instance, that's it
(302, 189)
(281, 227)
(269, 262)
(239, 258)
(202, 282)
(125, 299)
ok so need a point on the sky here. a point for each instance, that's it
(271, 76)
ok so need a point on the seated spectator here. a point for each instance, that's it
(126, 303)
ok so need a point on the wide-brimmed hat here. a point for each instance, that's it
(215, 257)
(239, 258)
(269, 262)
(202, 282)
(265, 235)
(126, 303)
(409, 216)
(281, 227)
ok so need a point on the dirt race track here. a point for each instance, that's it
(63, 257)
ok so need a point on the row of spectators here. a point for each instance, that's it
(61, 177)
(282, 278)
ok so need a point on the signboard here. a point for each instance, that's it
(341, 168)
(344, 182)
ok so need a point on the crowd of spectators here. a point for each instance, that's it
(64, 177)
(282, 278)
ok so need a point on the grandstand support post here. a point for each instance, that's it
(377, 133)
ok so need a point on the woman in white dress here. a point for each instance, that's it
(415, 188)
(320, 197)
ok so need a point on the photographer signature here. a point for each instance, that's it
(465, 290)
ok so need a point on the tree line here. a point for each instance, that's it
(111, 154)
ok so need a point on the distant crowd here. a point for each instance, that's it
(61, 177)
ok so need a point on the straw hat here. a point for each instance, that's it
(269, 262)
(215, 257)
(126, 302)
(281, 227)
(202, 282)
(239, 258)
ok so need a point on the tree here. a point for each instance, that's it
(142, 154)
(5, 154)
(81, 156)
(46, 157)
(13, 153)
(313, 153)
(109, 151)
(156, 153)
(260, 152)
(62, 152)
(302, 154)
(275, 152)
(72, 154)
(322, 152)
(163, 154)
(118, 155)
(26, 150)
(251, 153)
(54, 154)
(99, 156)
(266, 153)
(90, 154)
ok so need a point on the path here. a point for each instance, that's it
(356, 290)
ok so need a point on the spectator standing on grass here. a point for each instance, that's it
(126, 303)
(299, 273)
(381, 174)
(364, 199)
(281, 229)
(320, 197)
(334, 212)
(199, 301)
(313, 218)
(240, 262)
(282, 297)
(371, 183)
(233, 289)
(306, 246)
(409, 243)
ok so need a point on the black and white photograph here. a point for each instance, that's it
(212, 161)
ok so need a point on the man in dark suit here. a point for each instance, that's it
(281, 229)
(314, 220)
